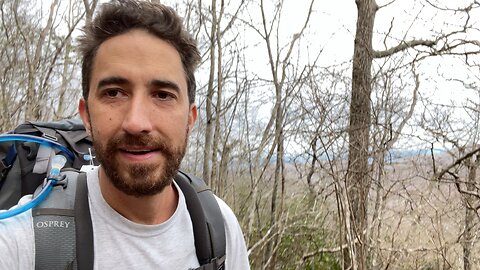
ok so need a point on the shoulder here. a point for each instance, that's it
(227, 212)
(232, 227)
(237, 256)
(17, 240)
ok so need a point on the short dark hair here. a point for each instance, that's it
(120, 16)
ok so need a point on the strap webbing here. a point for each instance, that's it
(200, 229)
(83, 222)
(214, 218)
(207, 221)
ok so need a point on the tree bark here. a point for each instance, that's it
(209, 102)
(470, 213)
(59, 114)
(358, 178)
(216, 181)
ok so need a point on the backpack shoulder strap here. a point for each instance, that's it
(63, 228)
(62, 225)
(207, 221)
(84, 229)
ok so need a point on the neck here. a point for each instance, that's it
(149, 210)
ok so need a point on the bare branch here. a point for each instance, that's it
(456, 163)
(403, 46)
(386, 4)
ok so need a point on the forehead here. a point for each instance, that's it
(138, 55)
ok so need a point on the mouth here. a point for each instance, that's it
(138, 154)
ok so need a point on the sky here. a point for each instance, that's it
(333, 26)
(331, 33)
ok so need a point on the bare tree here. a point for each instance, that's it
(462, 171)
(359, 177)
(305, 151)
(38, 60)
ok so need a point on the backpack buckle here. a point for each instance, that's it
(60, 180)
(217, 263)
(220, 263)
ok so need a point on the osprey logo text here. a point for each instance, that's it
(53, 224)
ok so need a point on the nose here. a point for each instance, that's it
(138, 116)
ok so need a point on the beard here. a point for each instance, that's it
(139, 180)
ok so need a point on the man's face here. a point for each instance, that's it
(138, 112)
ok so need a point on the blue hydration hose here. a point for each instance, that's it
(57, 164)
(36, 201)
(39, 140)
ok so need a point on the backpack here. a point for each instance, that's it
(62, 222)
(23, 165)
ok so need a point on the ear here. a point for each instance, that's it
(83, 111)
(192, 116)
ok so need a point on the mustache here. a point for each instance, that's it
(140, 140)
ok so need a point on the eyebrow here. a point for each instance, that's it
(112, 80)
(165, 84)
(122, 81)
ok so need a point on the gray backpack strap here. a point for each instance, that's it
(207, 221)
(62, 226)
(54, 227)
(84, 229)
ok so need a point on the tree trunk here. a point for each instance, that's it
(209, 103)
(60, 113)
(470, 213)
(358, 179)
(276, 209)
(216, 181)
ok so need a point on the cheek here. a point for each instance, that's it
(101, 123)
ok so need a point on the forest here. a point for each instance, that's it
(343, 134)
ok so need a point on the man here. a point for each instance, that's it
(138, 106)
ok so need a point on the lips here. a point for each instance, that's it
(137, 148)
(138, 154)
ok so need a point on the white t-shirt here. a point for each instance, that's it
(122, 244)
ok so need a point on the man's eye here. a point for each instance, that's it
(165, 95)
(112, 93)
